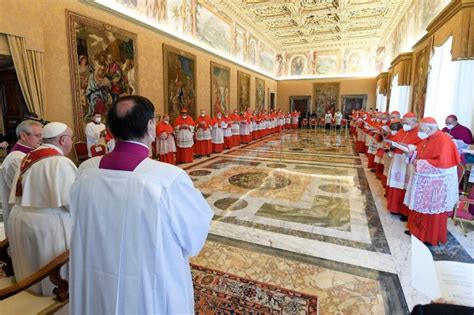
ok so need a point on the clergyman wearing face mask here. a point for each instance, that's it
(95, 132)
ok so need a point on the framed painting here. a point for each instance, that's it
(103, 65)
(259, 94)
(179, 81)
(243, 91)
(220, 88)
(326, 97)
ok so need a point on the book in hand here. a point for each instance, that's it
(450, 280)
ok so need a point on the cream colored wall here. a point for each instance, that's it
(43, 23)
(305, 87)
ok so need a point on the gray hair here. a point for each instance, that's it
(25, 126)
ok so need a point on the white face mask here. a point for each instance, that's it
(184, 116)
(422, 135)
(202, 114)
(166, 121)
(219, 116)
(449, 127)
(384, 121)
(97, 120)
(364, 117)
(393, 132)
(406, 127)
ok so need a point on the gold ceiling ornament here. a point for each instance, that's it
(292, 26)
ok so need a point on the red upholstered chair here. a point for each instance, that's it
(462, 214)
(97, 150)
(314, 123)
(304, 123)
(80, 151)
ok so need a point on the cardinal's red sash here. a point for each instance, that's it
(30, 159)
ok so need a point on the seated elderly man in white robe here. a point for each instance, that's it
(29, 134)
(39, 226)
(136, 223)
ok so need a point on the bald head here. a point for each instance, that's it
(129, 117)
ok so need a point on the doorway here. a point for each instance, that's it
(301, 104)
(353, 102)
(272, 100)
(12, 103)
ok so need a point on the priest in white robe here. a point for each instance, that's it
(39, 226)
(30, 135)
(136, 223)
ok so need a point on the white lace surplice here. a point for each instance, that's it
(432, 190)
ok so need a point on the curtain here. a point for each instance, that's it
(30, 73)
(449, 89)
(399, 97)
(381, 102)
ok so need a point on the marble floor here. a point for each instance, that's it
(300, 210)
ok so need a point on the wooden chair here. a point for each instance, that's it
(14, 296)
(80, 151)
(97, 150)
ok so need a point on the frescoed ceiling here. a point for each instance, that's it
(289, 39)
(293, 26)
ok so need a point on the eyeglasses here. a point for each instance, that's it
(37, 135)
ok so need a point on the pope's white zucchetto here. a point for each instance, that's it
(53, 129)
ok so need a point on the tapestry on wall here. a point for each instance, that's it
(420, 80)
(179, 81)
(103, 67)
(259, 94)
(243, 91)
(220, 88)
(326, 97)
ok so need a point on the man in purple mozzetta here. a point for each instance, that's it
(30, 135)
(136, 223)
(456, 130)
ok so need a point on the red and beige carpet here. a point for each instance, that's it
(216, 292)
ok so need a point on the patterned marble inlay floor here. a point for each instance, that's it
(299, 210)
(329, 204)
(341, 289)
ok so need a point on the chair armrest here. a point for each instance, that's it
(52, 269)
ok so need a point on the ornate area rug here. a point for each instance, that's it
(216, 292)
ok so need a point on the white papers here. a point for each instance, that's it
(453, 281)
(400, 146)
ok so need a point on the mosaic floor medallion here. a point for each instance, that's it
(199, 173)
(231, 204)
(259, 180)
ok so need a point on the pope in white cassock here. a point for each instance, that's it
(136, 223)
(94, 131)
(39, 227)
(29, 134)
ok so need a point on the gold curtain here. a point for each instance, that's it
(463, 39)
(401, 66)
(382, 83)
(30, 73)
